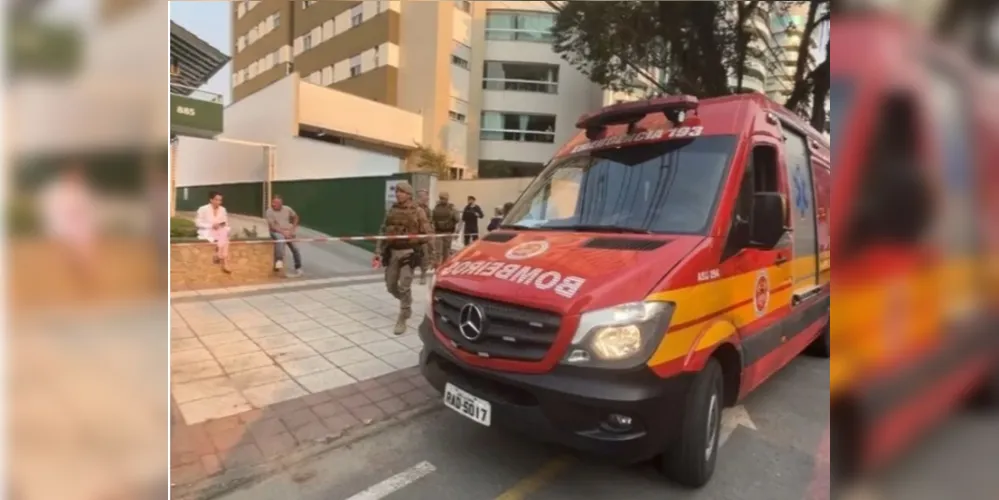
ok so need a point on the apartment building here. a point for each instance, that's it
(787, 29)
(482, 74)
(773, 50)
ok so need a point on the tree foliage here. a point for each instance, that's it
(700, 45)
(609, 41)
(428, 159)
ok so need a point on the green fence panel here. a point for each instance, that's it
(338, 207)
(243, 198)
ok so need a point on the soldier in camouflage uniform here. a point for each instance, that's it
(400, 256)
(445, 220)
(423, 200)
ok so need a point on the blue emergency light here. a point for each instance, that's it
(674, 108)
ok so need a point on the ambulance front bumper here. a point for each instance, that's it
(624, 417)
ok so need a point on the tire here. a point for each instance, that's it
(691, 460)
(822, 346)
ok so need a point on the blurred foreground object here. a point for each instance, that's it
(88, 312)
(916, 205)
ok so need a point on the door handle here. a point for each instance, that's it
(781, 259)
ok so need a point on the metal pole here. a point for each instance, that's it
(270, 176)
(269, 155)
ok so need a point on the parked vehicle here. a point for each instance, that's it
(669, 260)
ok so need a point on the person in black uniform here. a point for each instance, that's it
(470, 218)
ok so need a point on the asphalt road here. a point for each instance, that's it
(442, 455)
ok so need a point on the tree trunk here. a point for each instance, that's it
(744, 12)
(820, 77)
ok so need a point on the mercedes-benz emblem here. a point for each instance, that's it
(471, 322)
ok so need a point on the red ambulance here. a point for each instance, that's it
(669, 260)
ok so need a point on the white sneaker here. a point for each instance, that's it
(297, 273)
(279, 265)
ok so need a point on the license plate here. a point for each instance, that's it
(468, 405)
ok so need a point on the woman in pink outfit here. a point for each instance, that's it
(213, 225)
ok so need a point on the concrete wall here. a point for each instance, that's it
(426, 35)
(271, 116)
(358, 117)
(307, 159)
(490, 193)
(202, 162)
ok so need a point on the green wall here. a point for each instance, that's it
(338, 207)
(244, 198)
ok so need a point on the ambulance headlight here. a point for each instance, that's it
(622, 336)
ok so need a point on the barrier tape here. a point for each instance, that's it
(266, 241)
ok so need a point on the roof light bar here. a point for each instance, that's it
(674, 108)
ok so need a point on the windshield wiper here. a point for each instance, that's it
(602, 228)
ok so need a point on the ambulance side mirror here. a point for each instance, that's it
(767, 224)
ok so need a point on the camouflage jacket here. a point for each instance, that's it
(406, 218)
(445, 218)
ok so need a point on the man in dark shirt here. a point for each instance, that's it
(470, 218)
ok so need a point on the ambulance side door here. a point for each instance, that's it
(764, 272)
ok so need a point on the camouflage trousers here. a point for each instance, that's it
(429, 258)
(442, 249)
(399, 279)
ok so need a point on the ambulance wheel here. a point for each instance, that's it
(691, 460)
(821, 347)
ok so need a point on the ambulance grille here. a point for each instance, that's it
(510, 331)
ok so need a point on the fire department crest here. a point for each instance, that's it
(527, 250)
(761, 293)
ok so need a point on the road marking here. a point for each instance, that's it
(538, 480)
(732, 418)
(396, 482)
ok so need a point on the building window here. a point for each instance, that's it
(356, 15)
(520, 26)
(252, 36)
(174, 66)
(457, 174)
(308, 3)
(459, 62)
(355, 66)
(252, 70)
(456, 116)
(307, 41)
(240, 43)
(526, 77)
(277, 20)
(376, 55)
(464, 6)
(519, 127)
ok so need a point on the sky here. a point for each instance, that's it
(211, 22)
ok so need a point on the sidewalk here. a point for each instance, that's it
(261, 374)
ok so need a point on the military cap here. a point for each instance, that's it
(444, 195)
(404, 187)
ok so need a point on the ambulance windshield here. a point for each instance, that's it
(665, 187)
